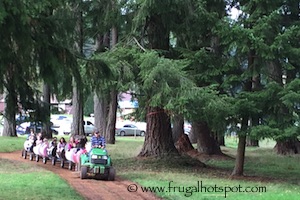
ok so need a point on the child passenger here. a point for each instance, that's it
(61, 146)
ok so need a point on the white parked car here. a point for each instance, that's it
(89, 127)
(65, 127)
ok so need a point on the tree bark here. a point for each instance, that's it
(9, 126)
(219, 138)
(158, 139)
(252, 142)
(46, 108)
(178, 127)
(77, 111)
(240, 157)
(287, 147)
(192, 135)
(183, 144)
(291, 144)
(205, 142)
(112, 118)
(100, 113)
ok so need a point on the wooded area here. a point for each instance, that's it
(182, 59)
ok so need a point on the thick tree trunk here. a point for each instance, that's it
(77, 100)
(100, 99)
(77, 125)
(158, 34)
(219, 138)
(178, 125)
(291, 144)
(158, 138)
(112, 118)
(288, 146)
(9, 126)
(193, 136)
(100, 113)
(46, 109)
(183, 144)
(205, 142)
(113, 104)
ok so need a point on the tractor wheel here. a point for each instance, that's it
(31, 157)
(53, 160)
(111, 174)
(122, 133)
(37, 158)
(83, 172)
(44, 160)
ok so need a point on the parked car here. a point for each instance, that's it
(130, 130)
(89, 127)
(24, 128)
(65, 126)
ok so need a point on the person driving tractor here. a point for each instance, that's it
(98, 141)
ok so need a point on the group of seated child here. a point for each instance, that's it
(97, 141)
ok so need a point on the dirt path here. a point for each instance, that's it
(89, 188)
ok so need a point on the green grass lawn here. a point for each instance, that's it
(27, 181)
(276, 177)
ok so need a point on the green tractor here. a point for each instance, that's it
(97, 163)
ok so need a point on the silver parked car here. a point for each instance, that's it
(130, 130)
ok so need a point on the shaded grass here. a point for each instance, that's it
(24, 181)
(278, 174)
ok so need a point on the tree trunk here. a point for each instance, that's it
(77, 100)
(256, 86)
(183, 144)
(288, 146)
(205, 142)
(112, 118)
(178, 127)
(291, 144)
(100, 98)
(100, 113)
(240, 157)
(114, 36)
(77, 125)
(158, 34)
(9, 126)
(219, 138)
(192, 135)
(252, 142)
(158, 139)
(46, 111)
(113, 104)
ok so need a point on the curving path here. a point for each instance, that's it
(91, 189)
